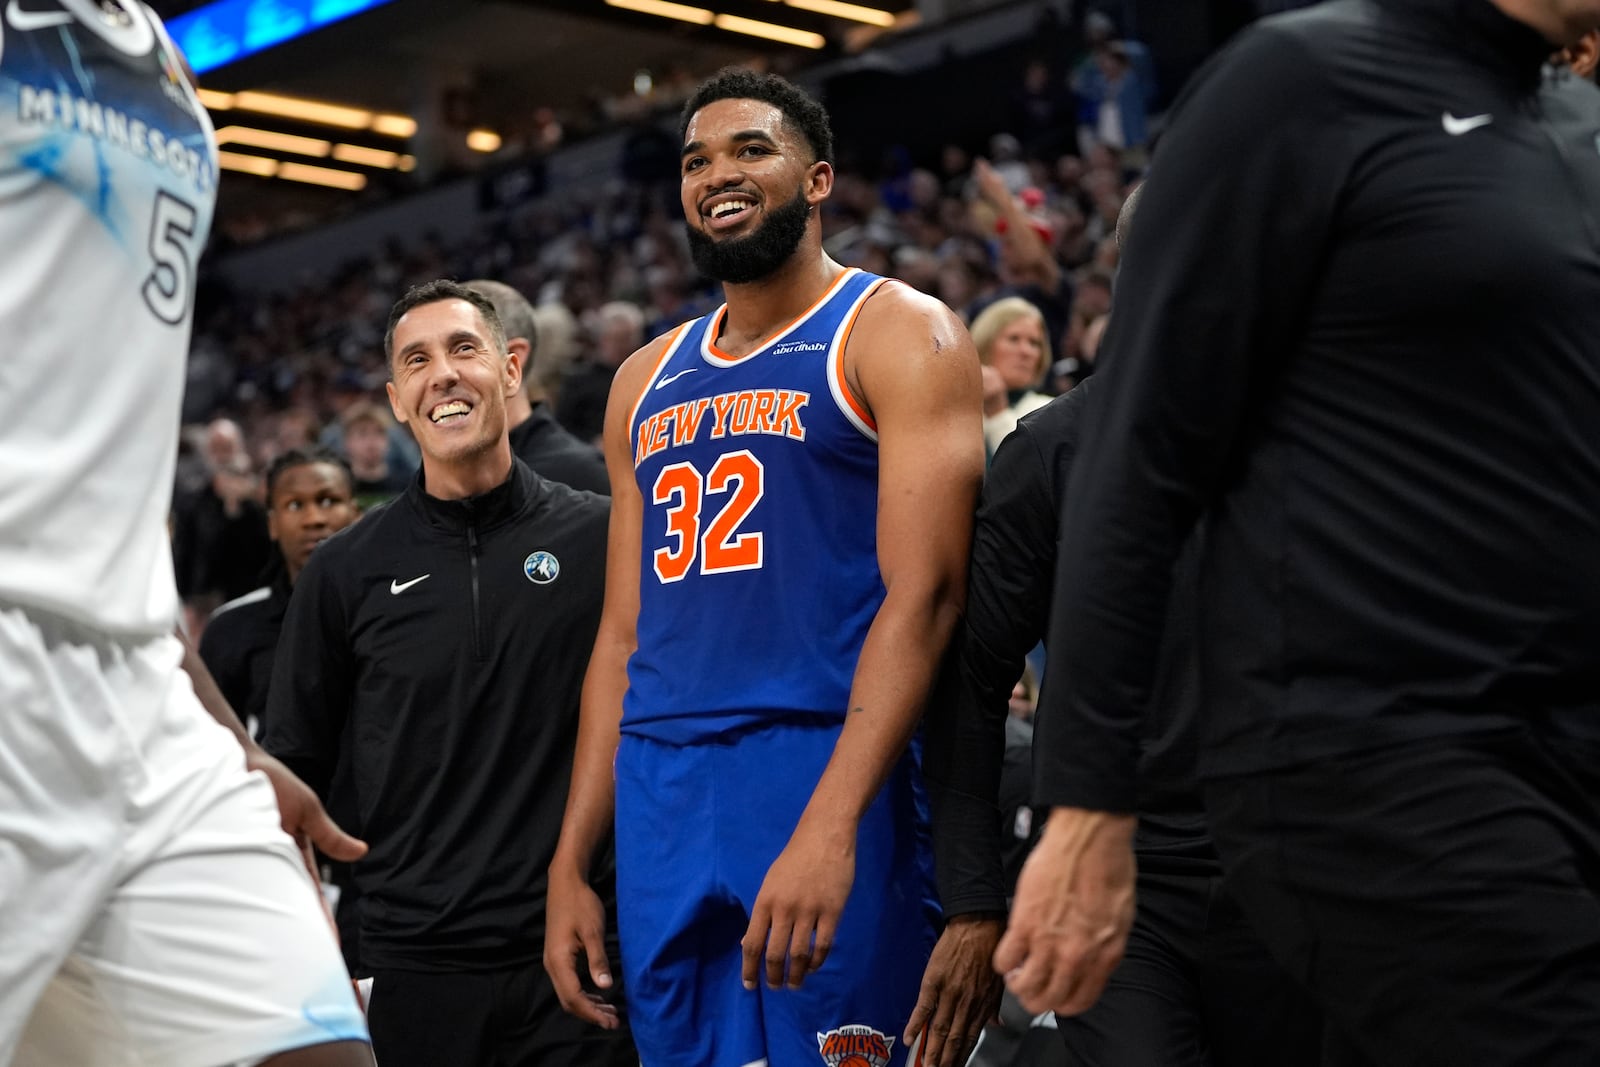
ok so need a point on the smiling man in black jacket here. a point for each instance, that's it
(1356, 329)
(444, 639)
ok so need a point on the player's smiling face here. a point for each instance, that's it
(450, 384)
(749, 181)
(740, 163)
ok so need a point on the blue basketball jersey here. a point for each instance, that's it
(759, 566)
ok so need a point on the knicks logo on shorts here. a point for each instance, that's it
(855, 1046)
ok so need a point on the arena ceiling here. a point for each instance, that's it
(500, 61)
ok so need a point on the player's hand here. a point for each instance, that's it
(960, 991)
(797, 910)
(1073, 907)
(575, 930)
(302, 814)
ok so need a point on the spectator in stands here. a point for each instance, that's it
(366, 445)
(618, 332)
(294, 429)
(1039, 114)
(349, 387)
(1112, 108)
(1015, 352)
(536, 437)
(219, 533)
(556, 331)
(1027, 268)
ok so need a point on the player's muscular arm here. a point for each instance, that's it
(912, 362)
(574, 915)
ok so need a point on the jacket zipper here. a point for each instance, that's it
(477, 607)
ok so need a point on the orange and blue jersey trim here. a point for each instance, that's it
(717, 357)
(655, 372)
(849, 404)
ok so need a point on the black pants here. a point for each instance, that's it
(1441, 900)
(507, 1018)
(1195, 988)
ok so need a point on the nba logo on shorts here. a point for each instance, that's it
(855, 1046)
(541, 567)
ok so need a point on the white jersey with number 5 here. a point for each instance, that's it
(107, 181)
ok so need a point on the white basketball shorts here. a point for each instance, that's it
(152, 911)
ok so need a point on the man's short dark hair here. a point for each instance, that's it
(802, 113)
(305, 457)
(516, 314)
(432, 293)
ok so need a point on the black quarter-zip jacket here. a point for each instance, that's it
(451, 637)
(1358, 326)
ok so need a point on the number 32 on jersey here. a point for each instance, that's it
(735, 480)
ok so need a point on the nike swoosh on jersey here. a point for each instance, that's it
(396, 586)
(663, 383)
(23, 20)
(1456, 127)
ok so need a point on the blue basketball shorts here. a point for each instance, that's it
(697, 827)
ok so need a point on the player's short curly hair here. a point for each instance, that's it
(804, 114)
(305, 457)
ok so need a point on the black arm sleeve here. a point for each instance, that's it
(1008, 587)
(223, 659)
(1216, 277)
(313, 678)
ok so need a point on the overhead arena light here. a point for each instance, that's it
(329, 176)
(293, 107)
(732, 23)
(682, 12)
(317, 112)
(271, 139)
(366, 157)
(260, 166)
(838, 9)
(770, 31)
(263, 167)
(401, 126)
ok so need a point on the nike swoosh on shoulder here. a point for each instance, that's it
(396, 586)
(23, 20)
(663, 383)
(1456, 127)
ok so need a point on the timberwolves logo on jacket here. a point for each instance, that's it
(855, 1046)
(541, 567)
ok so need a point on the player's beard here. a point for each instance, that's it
(749, 259)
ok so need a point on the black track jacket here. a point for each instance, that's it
(1358, 325)
(1009, 582)
(451, 637)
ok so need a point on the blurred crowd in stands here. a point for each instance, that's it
(1015, 233)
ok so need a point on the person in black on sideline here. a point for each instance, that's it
(1196, 987)
(1356, 332)
(536, 437)
(449, 630)
(310, 498)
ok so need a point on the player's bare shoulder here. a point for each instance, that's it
(901, 335)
